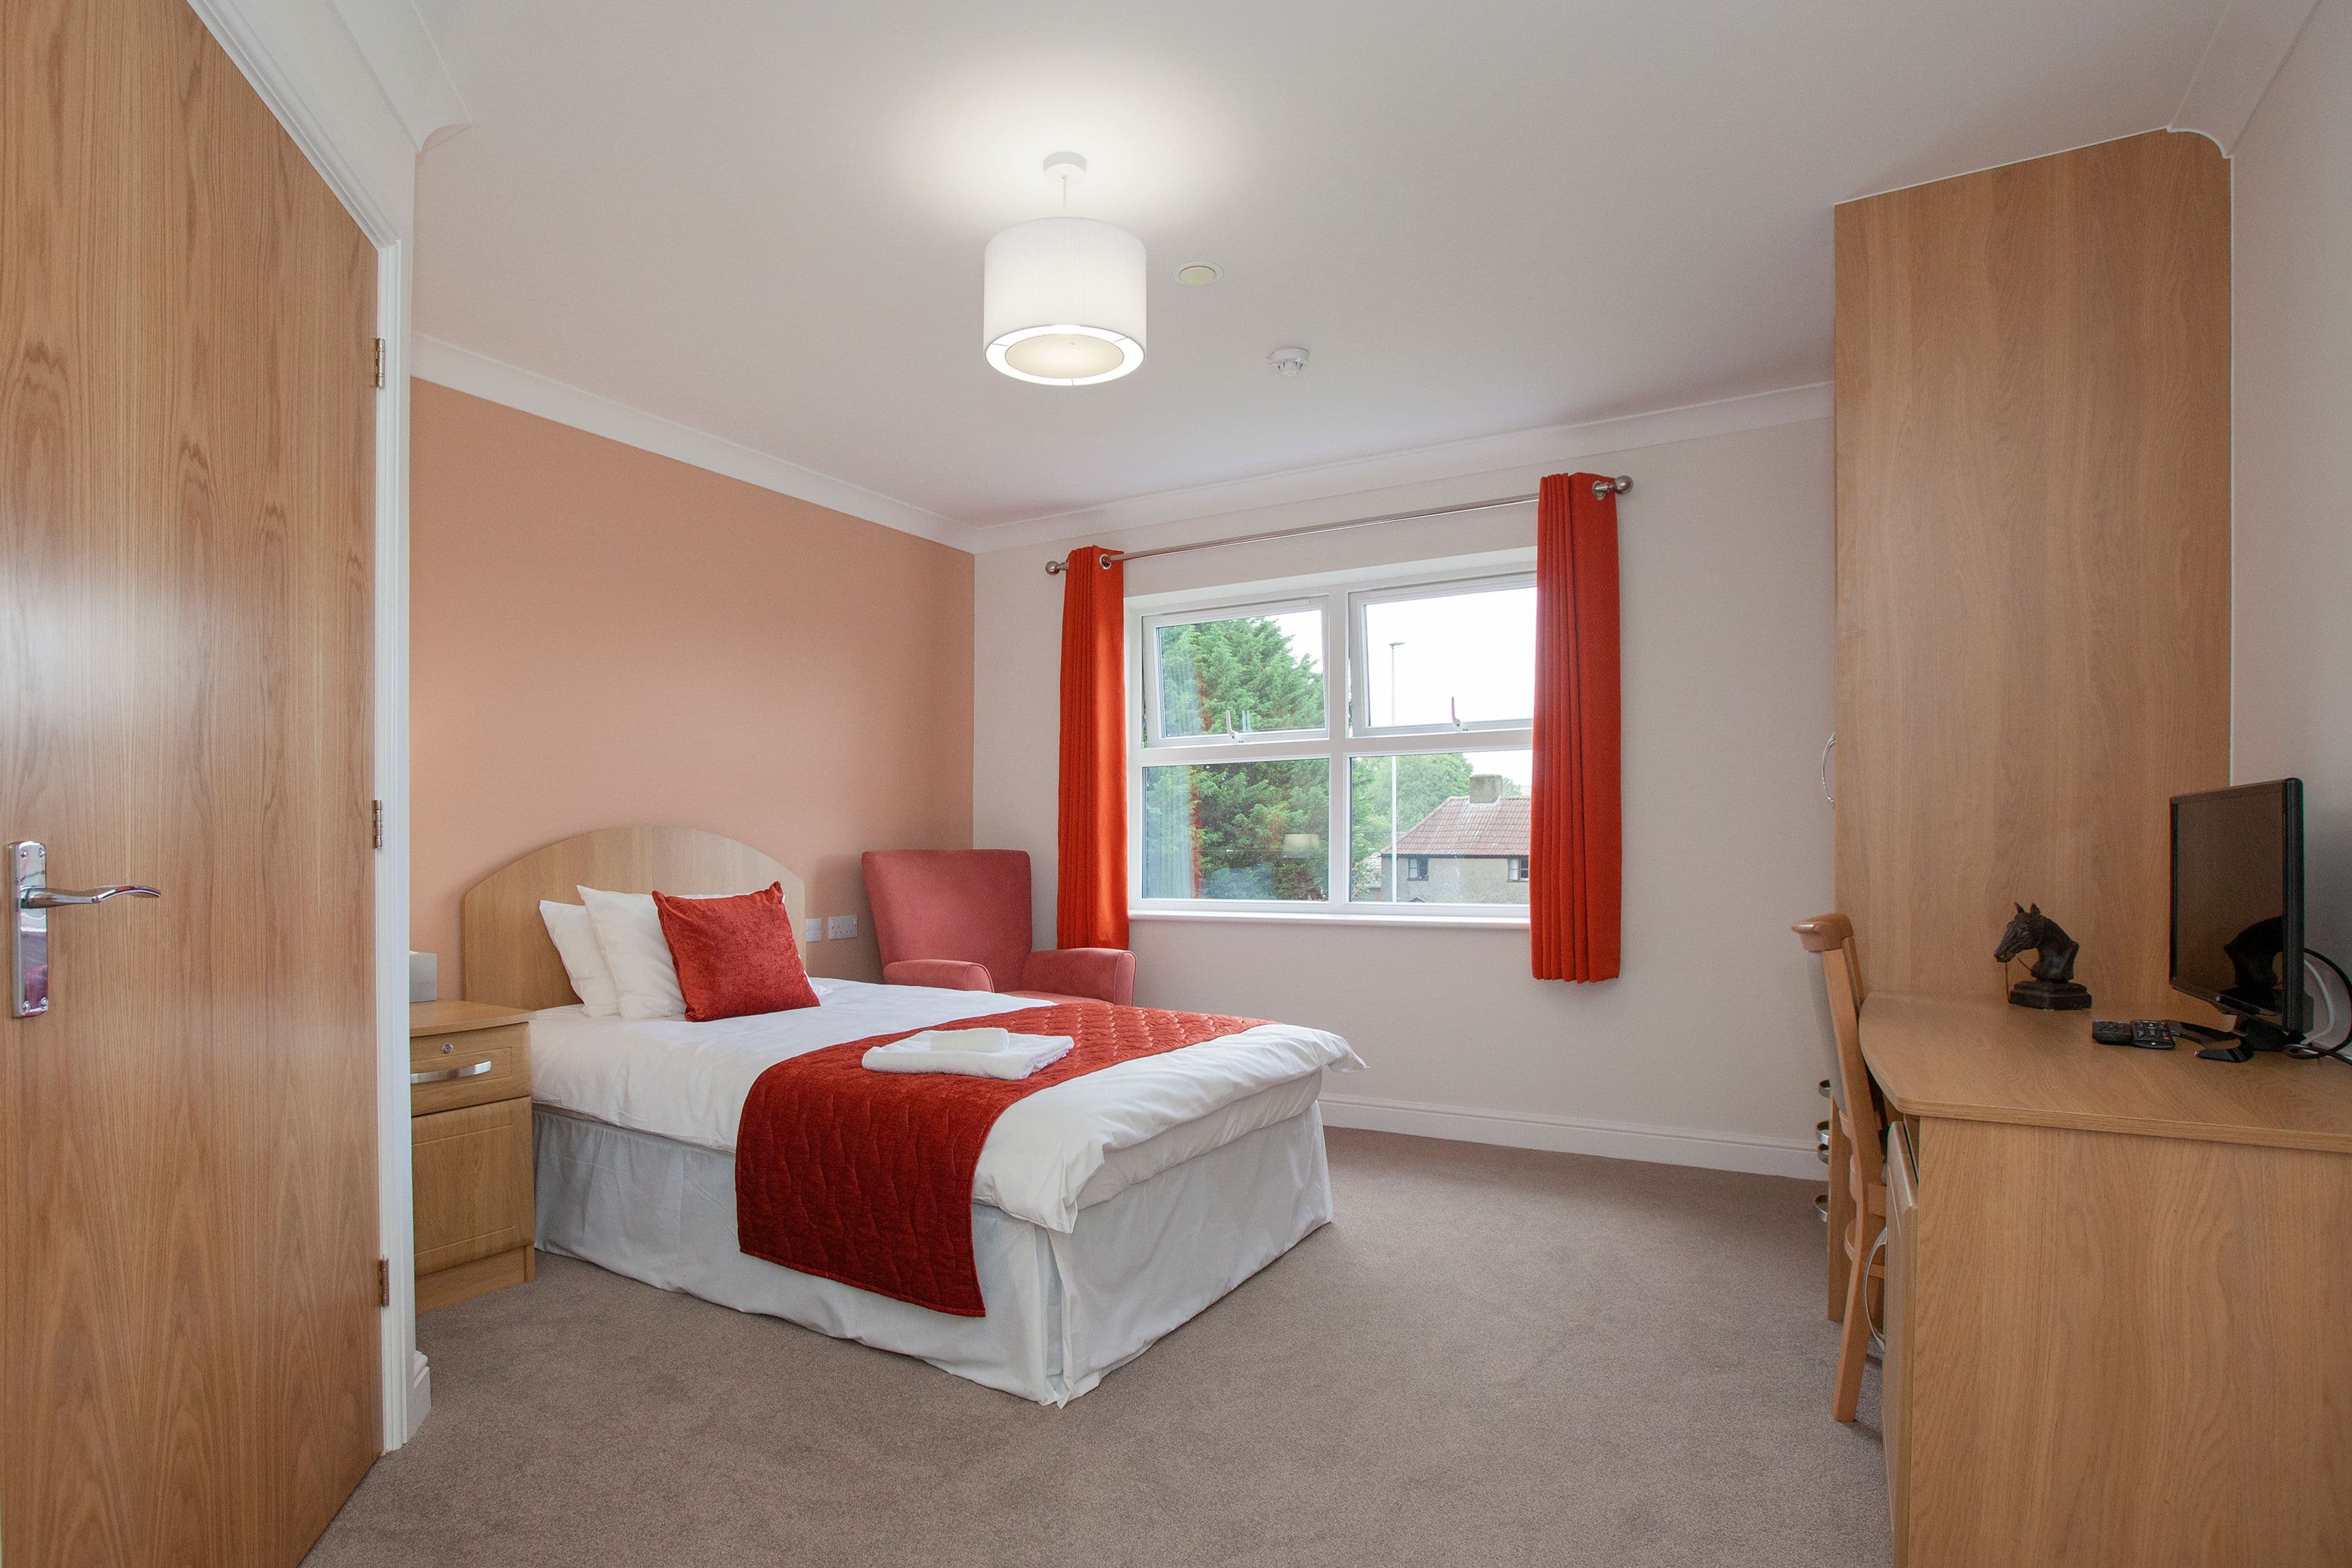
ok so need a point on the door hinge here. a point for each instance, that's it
(376, 815)
(379, 362)
(383, 1281)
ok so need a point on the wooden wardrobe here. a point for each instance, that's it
(2033, 657)
(2033, 556)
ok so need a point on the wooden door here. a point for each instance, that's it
(188, 1318)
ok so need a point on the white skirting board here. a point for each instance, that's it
(420, 1391)
(1611, 1140)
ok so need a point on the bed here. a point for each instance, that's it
(1106, 1210)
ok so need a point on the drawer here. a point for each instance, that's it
(473, 1183)
(472, 1066)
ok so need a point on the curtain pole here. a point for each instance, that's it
(1600, 487)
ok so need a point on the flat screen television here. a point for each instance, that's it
(2237, 905)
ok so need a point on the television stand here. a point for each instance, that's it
(2253, 1035)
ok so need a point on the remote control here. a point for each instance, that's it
(2148, 1033)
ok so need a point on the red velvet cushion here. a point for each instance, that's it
(735, 956)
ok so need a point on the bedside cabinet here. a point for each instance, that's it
(469, 1120)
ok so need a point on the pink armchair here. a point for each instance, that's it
(960, 919)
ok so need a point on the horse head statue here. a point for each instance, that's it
(2024, 931)
(2053, 963)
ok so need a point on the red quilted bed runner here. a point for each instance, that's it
(865, 1177)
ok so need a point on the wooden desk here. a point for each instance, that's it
(2118, 1296)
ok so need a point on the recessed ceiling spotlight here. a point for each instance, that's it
(1199, 275)
(1289, 361)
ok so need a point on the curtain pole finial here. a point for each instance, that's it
(1108, 561)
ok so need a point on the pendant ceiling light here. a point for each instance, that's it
(1062, 300)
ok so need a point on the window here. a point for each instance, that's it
(1221, 676)
(1350, 750)
(1237, 830)
(1451, 657)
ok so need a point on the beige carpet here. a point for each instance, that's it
(1490, 1357)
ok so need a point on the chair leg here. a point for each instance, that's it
(1841, 1212)
(1854, 1337)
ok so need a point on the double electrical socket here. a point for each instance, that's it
(821, 928)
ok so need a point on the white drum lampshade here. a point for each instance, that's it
(1062, 301)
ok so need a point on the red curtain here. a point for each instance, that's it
(1576, 872)
(1090, 905)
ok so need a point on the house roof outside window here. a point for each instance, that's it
(1470, 826)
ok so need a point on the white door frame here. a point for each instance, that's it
(300, 59)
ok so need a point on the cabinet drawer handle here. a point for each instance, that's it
(445, 1074)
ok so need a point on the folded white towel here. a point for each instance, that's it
(958, 1040)
(970, 1053)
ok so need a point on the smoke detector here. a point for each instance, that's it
(1289, 361)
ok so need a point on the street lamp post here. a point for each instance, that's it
(1396, 867)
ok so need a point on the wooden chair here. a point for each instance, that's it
(1861, 1130)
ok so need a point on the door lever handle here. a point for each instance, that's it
(28, 923)
(66, 898)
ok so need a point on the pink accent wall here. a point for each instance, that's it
(600, 635)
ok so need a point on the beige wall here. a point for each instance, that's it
(600, 635)
(2291, 701)
(1709, 1048)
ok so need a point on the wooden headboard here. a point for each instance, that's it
(508, 956)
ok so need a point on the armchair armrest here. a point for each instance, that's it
(946, 974)
(1107, 973)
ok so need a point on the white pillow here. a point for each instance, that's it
(584, 961)
(629, 934)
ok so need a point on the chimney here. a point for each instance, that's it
(1485, 789)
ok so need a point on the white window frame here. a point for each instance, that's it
(1151, 626)
(1340, 596)
(1361, 672)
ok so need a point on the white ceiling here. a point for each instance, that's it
(764, 221)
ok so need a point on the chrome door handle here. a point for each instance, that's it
(66, 898)
(28, 928)
(444, 1075)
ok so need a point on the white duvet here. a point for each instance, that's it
(1050, 1154)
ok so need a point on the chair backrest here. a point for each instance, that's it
(971, 904)
(1831, 936)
